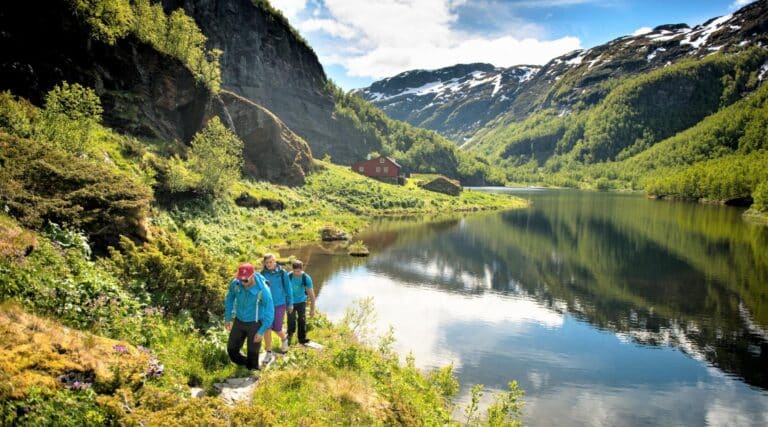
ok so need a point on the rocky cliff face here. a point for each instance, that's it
(265, 61)
(143, 92)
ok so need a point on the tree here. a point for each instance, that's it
(217, 157)
(70, 118)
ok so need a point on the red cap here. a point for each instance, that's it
(245, 271)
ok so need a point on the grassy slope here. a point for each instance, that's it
(186, 262)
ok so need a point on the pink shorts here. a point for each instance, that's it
(277, 324)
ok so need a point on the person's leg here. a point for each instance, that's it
(277, 326)
(292, 323)
(253, 347)
(301, 313)
(235, 342)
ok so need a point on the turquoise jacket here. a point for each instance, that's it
(280, 285)
(297, 287)
(249, 305)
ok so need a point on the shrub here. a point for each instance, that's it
(41, 183)
(177, 276)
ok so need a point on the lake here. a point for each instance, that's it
(607, 308)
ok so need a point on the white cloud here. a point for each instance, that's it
(329, 26)
(383, 38)
(642, 30)
(740, 3)
(289, 8)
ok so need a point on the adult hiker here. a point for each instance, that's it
(251, 300)
(302, 289)
(282, 296)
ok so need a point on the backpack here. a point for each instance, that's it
(304, 282)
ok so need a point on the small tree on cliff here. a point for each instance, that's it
(217, 157)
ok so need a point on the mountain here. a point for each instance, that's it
(459, 100)
(655, 111)
(454, 101)
(265, 60)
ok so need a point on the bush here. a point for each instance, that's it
(41, 183)
(177, 276)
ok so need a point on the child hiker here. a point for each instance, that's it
(302, 289)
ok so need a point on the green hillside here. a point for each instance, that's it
(417, 150)
(659, 132)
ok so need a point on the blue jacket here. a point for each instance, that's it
(297, 285)
(280, 285)
(254, 303)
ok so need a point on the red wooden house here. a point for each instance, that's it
(381, 168)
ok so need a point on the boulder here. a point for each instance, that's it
(443, 185)
(248, 201)
(272, 152)
(330, 233)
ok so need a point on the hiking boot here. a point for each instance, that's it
(268, 358)
(284, 347)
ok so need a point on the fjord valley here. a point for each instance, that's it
(677, 111)
(140, 163)
(151, 149)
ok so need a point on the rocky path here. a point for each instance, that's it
(234, 390)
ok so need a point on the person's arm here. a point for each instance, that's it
(266, 310)
(310, 296)
(229, 305)
(288, 292)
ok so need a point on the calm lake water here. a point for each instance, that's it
(608, 309)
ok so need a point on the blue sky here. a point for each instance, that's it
(360, 41)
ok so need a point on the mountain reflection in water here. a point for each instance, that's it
(641, 311)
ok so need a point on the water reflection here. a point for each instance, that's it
(609, 308)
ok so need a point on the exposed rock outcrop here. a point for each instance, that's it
(144, 92)
(272, 152)
(265, 61)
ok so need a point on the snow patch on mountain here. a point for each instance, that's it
(763, 71)
(699, 36)
(654, 53)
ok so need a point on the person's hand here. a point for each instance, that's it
(312, 312)
(228, 326)
(290, 309)
(257, 338)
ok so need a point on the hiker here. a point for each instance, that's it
(280, 285)
(251, 300)
(302, 288)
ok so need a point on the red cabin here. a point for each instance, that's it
(381, 168)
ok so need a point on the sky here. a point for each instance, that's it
(361, 41)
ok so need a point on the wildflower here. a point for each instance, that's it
(120, 349)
